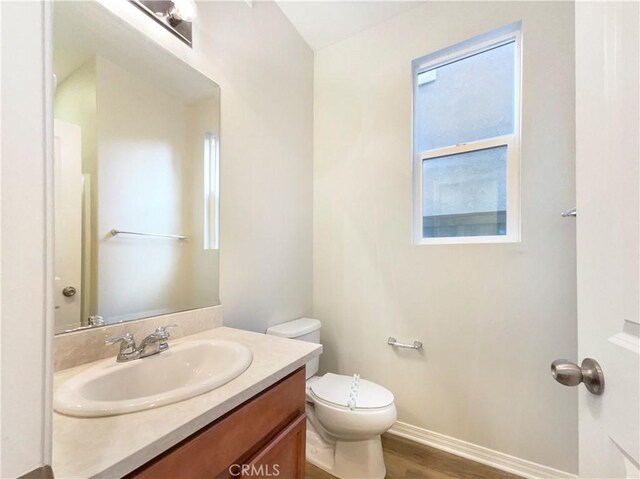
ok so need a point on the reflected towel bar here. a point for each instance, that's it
(417, 345)
(115, 232)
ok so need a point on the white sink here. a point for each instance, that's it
(183, 371)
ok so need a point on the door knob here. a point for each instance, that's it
(69, 291)
(570, 374)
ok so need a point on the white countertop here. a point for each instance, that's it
(110, 447)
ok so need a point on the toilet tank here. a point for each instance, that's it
(303, 329)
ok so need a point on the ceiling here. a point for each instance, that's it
(322, 23)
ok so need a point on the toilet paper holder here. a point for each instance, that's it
(417, 345)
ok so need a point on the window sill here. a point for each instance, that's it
(467, 240)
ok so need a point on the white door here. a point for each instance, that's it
(608, 214)
(68, 225)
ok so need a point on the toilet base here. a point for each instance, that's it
(346, 459)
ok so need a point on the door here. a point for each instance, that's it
(607, 182)
(68, 225)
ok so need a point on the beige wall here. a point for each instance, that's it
(491, 316)
(203, 264)
(142, 157)
(265, 72)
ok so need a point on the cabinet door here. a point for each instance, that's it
(283, 457)
(216, 450)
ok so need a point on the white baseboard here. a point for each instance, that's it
(498, 460)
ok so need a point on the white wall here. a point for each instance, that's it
(25, 334)
(492, 317)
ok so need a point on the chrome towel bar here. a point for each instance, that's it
(568, 213)
(417, 345)
(115, 232)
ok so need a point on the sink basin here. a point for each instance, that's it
(183, 371)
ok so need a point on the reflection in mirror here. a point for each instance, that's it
(136, 168)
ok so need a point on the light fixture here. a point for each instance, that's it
(181, 11)
(177, 16)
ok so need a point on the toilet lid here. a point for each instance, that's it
(336, 389)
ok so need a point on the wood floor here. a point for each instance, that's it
(409, 460)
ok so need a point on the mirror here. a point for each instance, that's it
(136, 174)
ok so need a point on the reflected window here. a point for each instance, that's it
(211, 192)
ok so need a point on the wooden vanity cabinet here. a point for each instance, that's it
(262, 438)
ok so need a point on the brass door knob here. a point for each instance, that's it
(570, 374)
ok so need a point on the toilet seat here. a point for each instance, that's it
(346, 392)
(337, 415)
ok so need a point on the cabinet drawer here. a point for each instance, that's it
(235, 437)
(282, 457)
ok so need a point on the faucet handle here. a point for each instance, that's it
(165, 329)
(127, 340)
(128, 349)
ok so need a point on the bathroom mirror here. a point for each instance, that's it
(136, 174)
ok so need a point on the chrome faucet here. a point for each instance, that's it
(128, 350)
(154, 343)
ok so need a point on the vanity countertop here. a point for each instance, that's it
(112, 446)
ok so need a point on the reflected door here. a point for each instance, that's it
(68, 225)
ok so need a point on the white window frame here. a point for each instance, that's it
(512, 141)
(211, 192)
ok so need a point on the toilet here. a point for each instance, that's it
(345, 414)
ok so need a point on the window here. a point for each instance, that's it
(211, 188)
(466, 124)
